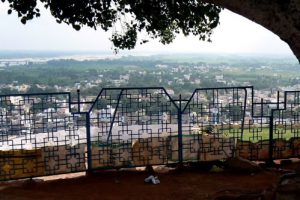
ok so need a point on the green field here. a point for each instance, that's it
(258, 134)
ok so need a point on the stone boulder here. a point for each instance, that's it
(239, 164)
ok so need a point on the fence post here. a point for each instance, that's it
(180, 156)
(78, 100)
(88, 143)
(271, 129)
(270, 160)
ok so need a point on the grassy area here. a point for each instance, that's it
(257, 134)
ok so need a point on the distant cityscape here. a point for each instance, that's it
(179, 74)
(45, 120)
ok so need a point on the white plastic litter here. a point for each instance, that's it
(152, 179)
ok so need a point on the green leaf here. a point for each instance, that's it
(76, 27)
(23, 20)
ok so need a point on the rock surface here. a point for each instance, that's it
(288, 187)
(239, 164)
(280, 17)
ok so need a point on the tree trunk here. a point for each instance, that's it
(282, 17)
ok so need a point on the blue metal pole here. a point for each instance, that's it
(270, 160)
(88, 143)
(78, 99)
(180, 153)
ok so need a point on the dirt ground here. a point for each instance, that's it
(185, 184)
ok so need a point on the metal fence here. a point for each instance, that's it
(51, 133)
(39, 135)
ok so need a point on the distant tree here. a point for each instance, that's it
(209, 129)
(164, 19)
(235, 113)
(8, 91)
(35, 89)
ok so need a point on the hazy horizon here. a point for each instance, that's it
(234, 35)
(60, 53)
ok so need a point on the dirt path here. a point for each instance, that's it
(130, 185)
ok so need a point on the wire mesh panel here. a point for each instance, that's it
(255, 142)
(132, 127)
(213, 123)
(39, 136)
(286, 127)
(256, 136)
(127, 127)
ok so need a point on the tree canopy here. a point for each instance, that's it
(161, 19)
(164, 19)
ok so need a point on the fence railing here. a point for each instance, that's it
(48, 134)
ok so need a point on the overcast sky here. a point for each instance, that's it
(235, 34)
